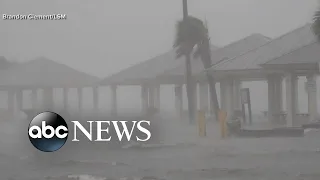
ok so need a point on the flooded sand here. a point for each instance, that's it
(206, 158)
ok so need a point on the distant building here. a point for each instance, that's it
(5, 64)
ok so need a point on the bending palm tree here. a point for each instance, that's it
(204, 52)
(192, 32)
(316, 24)
(184, 48)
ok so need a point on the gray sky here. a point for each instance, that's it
(103, 37)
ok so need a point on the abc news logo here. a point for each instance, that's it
(48, 131)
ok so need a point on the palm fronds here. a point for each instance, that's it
(189, 32)
(316, 24)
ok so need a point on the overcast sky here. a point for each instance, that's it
(103, 37)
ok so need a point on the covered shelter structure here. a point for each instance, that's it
(144, 75)
(44, 74)
(289, 56)
(254, 58)
(303, 61)
(166, 69)
(176, 76)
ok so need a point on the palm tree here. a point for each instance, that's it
(316, 24)
(185, 50)
(204, 52)
(191, 33)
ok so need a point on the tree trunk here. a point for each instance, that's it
(206, 61)
(188, 74)
(190, 89)
(185, 8)
(213, 95)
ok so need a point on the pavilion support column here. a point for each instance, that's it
(297, 94)
(80, 101)
(230, 97)
(227, 98)
(95, 95)
(271, 97)
(11, 102)
(278, 99)
(48, 98)
(179, 101)
(157, 96)
(279, 94)
(34, 99)
(204, 97)
(236, 91)
(312, 97)
(151, 90)
(223, 86)
(144, 99)
(211, 105)
(66, 99)
(291, 88)
(19, 98)
(114, 110)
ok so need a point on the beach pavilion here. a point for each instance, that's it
(143, 74)
(303, 61)
(250, 59)
(220, 55)
(167, 70)
(253, 58)
(289, 56)
(44, 74)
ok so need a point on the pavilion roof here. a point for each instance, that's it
(146, 70)
(273, 49)
(229, 51)
(305, 58)
(307, 54)
(43, 72)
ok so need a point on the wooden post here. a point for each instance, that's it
(202, 123)
(222, 120)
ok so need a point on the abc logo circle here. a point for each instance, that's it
(48, 132)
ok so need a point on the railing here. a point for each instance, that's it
(280, 117)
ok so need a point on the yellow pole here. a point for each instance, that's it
(202, 124)
(222, 120)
